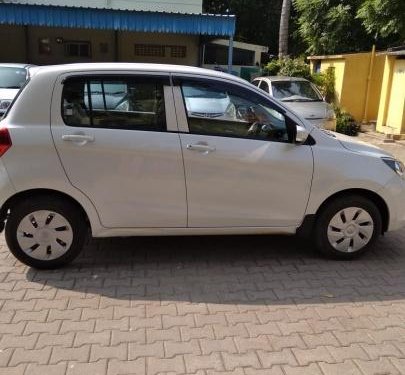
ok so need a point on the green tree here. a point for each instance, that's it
(331, 26)
(383, 18)
(317, 26)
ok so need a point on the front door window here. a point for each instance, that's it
(225, 110)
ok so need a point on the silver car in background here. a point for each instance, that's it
(301, 96)
(12, 78)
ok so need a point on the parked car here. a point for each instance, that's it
(12, 78)
(206, 103)
(301, 96)
(153, 167)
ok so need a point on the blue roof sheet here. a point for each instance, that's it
(122, 20)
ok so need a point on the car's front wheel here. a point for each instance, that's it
(45, 232)
(347, 227)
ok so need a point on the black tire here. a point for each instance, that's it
(330, 210)
(55, 204)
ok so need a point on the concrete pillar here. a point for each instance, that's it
(385, 94)
(230, 55)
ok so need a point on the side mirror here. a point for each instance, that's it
(301, 135)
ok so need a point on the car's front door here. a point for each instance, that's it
(242, 168)
(111, 133)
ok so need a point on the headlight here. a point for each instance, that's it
(4, 104)
(397, 166)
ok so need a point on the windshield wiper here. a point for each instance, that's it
(296, 100)
(10, 87)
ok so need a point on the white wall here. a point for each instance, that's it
(183, 6)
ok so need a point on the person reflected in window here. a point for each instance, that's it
(74, 106)
(263, 125)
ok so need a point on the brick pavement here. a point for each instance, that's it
(205, 306)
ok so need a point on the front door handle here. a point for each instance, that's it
(201, 148)
(80, 139)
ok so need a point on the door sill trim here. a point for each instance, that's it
(129, 232)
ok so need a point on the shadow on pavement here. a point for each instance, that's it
(230, 270)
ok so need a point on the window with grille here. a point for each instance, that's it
(78, 49)
(154, 50)
(178, 51)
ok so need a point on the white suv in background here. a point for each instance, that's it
(121, 149)
(12, 78)
(301, 96)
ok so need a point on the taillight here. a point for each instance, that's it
(5, 141)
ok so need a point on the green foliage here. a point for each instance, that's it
(272, 68)
(330, 26)
(295, 68)
(288, 67)
(318, 26)
(345, 123)
(319, 80)
(326, 84)
(383, 17)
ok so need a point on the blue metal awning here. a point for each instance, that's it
(120, 20)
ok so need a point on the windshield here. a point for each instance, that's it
(295, 91)
(12, 78)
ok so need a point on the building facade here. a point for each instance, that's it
(40, 33)
(358, 78)
(247, 57)
(370, 86)
(391, 113)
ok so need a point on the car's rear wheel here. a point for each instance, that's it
(347, 227)
(45, 232)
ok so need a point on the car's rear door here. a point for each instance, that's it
(116, 138)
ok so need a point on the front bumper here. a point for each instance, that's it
(394, 195)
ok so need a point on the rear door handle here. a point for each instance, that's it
(80, 139)
(201, 148)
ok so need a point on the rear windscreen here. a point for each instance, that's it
(14, 100)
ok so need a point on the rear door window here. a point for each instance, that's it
(134, 103)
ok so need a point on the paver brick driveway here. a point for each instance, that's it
(212, 305)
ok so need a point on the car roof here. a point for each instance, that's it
(139, 67)
(281, 78)
(42, 75)
(15, 65)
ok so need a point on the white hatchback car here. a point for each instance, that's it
(116, 148)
